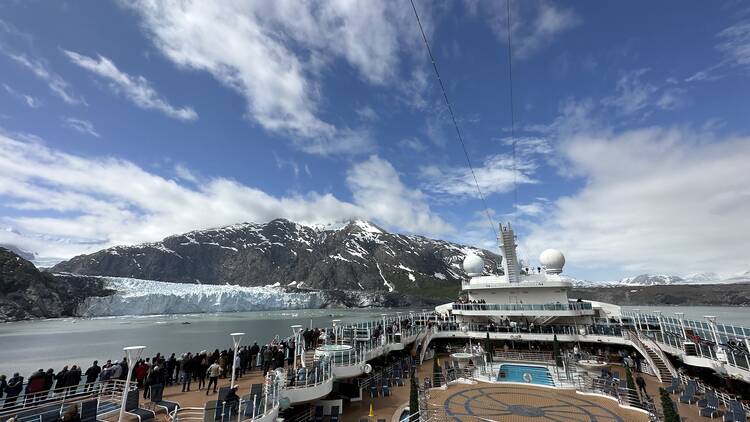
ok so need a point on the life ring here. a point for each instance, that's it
(527, 377)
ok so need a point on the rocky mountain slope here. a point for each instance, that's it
(25, 292)
(356, 256)
(675, 294)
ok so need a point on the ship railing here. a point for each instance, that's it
(109, 391)
(577, 306)
(724, 397)
(523, 356)
(320, 373)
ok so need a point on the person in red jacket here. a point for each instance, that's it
(35, 386)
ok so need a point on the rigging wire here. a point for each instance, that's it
(453, 118)
(512, 109)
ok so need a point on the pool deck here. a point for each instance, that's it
(492, 401)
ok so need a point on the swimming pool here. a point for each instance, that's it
(525, 373)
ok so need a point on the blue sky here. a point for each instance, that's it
(124, 122)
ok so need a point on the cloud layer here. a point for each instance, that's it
(91, 203)
(274, 54)
(135, 88)
(656, 199)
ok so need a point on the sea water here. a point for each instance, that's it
(52, 343)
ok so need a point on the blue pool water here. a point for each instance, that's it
(525, 373)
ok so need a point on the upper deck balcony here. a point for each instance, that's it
(521, 309)
(530, 281)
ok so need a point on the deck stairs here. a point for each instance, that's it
(308, 358)
(655, 356)
(424, 343)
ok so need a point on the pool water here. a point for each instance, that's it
(529, 374)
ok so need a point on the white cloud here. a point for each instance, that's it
(273, 54)
(68, 204)
(634, 95)
(184, 173)
(530, 34)
(654, 199)
(29, 100)
(377, 187)
(56, 83)
(412, 144)
(496, 175)
(136, 88)
(367, 113)
(80, 125)
(735, 43)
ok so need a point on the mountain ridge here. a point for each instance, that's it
(357, 255)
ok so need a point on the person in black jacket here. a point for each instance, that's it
(92, 374)
(49, 379)
(73, 378)
(3, 384)
(254, 350)
(60, 378)
(13, 389)
(188, 366)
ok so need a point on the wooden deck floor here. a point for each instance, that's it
(492, 401)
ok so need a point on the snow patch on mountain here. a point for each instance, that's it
(149, 297)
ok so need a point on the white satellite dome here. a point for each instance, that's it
(552, 260)
(473, 265)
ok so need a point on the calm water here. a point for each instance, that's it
(29, 345)
(734, 315)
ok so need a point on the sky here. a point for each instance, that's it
(125, 122)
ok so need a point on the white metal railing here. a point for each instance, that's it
(576, 306)
(63, 397)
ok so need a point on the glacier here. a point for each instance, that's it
(151, 297)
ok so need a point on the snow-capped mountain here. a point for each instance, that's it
(356, 255)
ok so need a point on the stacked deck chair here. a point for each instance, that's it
(709, 406)
(688, 395)
(132, 407)
(675, 387)
(157, 398)
(735, 412)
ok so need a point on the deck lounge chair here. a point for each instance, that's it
(334, 414)
(711, 407)
(735, 412)
(132, 407)
(157, 398)
(674, 388)
(253, 403)
(386, 390)
(688, 395)
(210, 410)
(318, 414)
(373, 391)
(40, 414)
(88, 410)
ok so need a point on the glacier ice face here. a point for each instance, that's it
(149, 297)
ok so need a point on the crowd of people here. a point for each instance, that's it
(202, 368)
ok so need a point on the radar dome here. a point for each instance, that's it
(473, 265)
(552, 260)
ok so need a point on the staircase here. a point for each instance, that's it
(656, 357)
(308, 358)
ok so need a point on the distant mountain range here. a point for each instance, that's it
(353, 256)
(665, 280)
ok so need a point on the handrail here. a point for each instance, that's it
(577, 306)
(63, 396)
